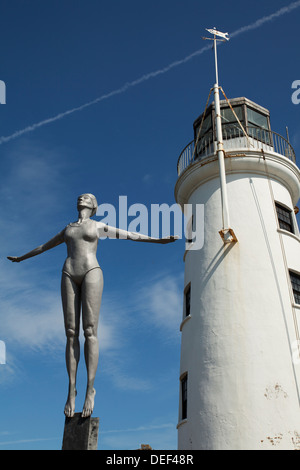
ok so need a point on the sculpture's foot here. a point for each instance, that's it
(89, 403)
(70, 405)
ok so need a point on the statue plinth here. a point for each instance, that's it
(80, 433)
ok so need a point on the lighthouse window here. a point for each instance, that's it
(189, 230)
(257, 119)
(206, 126)
(228, 115)
(258, 126)
(295, 280)
(184, 397)
(284, 218)
(188, 300)
(231, 126)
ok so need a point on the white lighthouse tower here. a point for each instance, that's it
(240, 367)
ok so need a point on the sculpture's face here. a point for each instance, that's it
(85, 201)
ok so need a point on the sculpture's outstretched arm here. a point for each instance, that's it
(55, 241)
(104, 230)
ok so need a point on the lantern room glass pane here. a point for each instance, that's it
(231, 126)
(206, 126)
(257, 119)
(228, 116)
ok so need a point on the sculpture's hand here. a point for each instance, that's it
(14, 259)
(170, 239)
(55, 241)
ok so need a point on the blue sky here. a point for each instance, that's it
(139, 75)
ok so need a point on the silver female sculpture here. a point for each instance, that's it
(81, 290)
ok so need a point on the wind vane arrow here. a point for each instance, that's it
(218, 33)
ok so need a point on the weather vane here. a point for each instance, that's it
(215, 32)
(224, 37)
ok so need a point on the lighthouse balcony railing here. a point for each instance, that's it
(234, 138)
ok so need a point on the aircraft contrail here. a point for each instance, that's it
(257, 24)
(266, 19)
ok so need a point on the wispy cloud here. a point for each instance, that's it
(160, 304)
(33, 180)
(28, 441)
(148, 427)
(33, 317)
(159, 309)
(117, 368)
(158, 436)
(33, 324)
(144, 78)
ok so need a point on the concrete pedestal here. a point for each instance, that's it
(80, 433)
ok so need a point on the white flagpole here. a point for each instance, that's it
(226, 233)
(220, 147)
(216, 60)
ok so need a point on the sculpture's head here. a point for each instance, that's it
(88, 200)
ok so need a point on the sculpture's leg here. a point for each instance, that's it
(91, 294)
(71, 299)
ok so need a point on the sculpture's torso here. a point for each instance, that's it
(82, 241)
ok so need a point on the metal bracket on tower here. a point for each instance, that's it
(228, 235)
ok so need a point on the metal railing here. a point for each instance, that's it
(234, 138)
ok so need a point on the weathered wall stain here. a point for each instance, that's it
(290, 441)
(275, 391)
